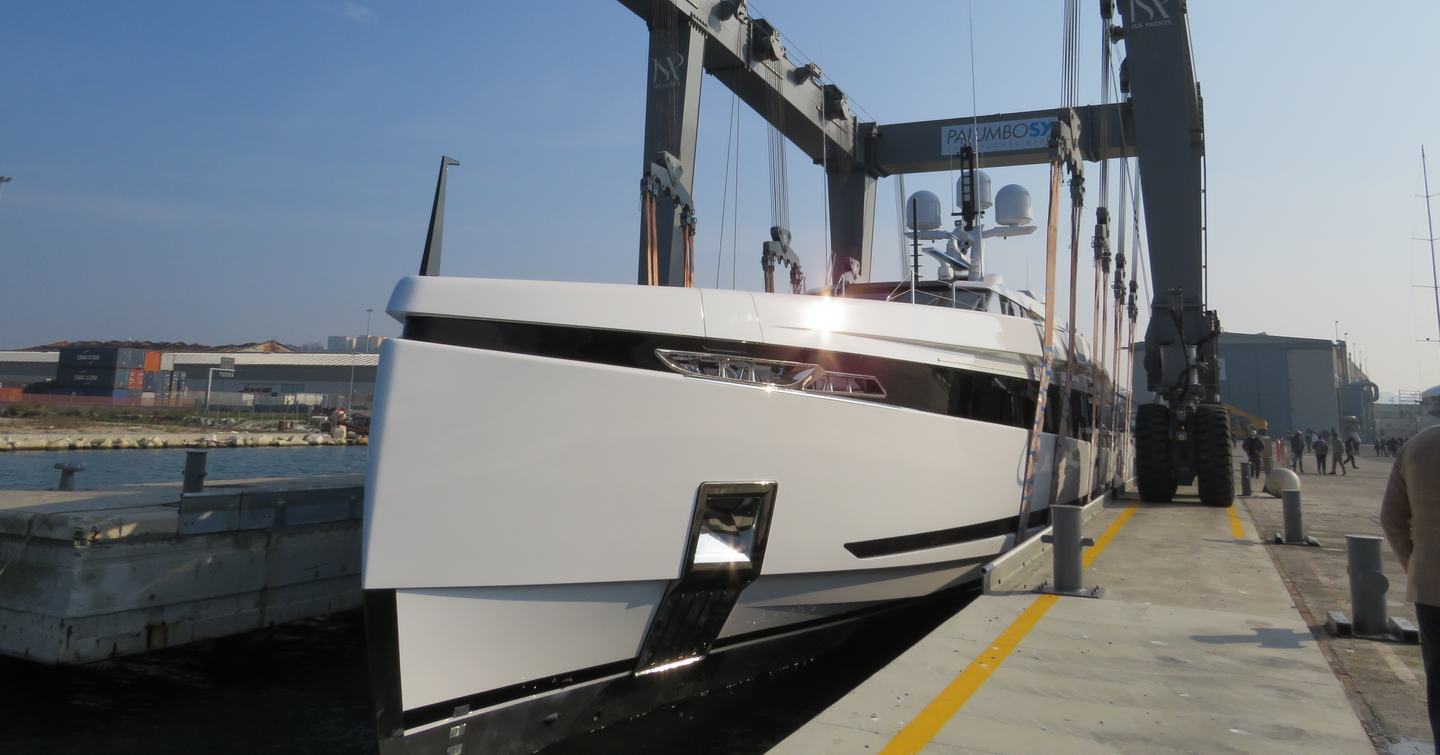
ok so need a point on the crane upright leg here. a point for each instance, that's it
(672, 121)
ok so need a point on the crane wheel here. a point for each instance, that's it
(1154, 476)
(1214, 472)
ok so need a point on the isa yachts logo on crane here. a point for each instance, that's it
(1000, 136)
(1145, 14)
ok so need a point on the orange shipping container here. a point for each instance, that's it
(136, 381)
(152, 361)
(11, 394)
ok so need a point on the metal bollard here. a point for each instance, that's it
(1294, 520)
(1368, 584)
(67, 474)
(194, 472)
(1067, 545)
(1294, 524)
(1245, 479)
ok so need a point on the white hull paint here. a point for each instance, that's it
(528, 510)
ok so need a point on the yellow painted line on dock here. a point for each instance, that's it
(933, 718)
(1109, 534)
(1237, 528)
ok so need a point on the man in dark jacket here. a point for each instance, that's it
(1410, 515)
(1254, 447)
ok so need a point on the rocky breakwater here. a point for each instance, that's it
(132, 440)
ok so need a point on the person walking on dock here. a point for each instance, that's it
(1321, 449)
(1297, 453)
(1410, 515)
(1337, 452)
(1253, 448)
(1352, 447)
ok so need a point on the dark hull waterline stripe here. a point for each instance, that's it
(427, 714)
(950, 391)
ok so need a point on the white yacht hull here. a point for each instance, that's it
(533, 489)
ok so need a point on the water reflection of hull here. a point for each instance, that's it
(669, 476)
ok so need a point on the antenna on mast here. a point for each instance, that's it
(435, 237)
(1430, 226)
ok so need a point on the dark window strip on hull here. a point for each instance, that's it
(889, 546)
(965, 394)
(919, 541)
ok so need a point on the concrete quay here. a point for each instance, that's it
(1386, 681)
(1197, 645)
(89, 575)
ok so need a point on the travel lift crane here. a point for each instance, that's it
(1186, 433)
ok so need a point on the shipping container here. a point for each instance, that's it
(98, 377)
(121, 394)
(102, 357)
(136, 380)
(152, 361)
(167, 362)
(155, 381)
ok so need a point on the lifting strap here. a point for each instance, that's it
(1047, 338)
(1063, 156)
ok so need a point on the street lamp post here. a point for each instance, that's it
(350, 401)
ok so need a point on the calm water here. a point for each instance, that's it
(304, 688)
(35, 470)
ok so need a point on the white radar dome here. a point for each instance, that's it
(922, 212)
(962, 186)
(1012, 206)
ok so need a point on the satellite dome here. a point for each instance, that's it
(922, 212)
(1012, 206)
(983, 180)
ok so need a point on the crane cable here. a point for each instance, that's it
(730, 127)
(1077, 195)
(1100, 311)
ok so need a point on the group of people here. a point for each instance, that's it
(1326, 445)
(1388, 446)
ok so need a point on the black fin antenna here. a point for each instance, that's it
(435, 237)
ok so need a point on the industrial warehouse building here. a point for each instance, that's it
(1291, 383)
(260, 379)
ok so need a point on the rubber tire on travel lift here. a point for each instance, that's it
(1214, 472)
(1154, 475)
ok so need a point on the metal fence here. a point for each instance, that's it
(15, 397)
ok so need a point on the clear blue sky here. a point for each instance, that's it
(225, 172)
